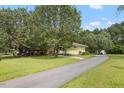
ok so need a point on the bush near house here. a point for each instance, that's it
(86, 53)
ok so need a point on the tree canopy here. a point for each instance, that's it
(44, 28)
(54, 27)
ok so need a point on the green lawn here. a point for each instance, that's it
(106, 75)
(16, 67)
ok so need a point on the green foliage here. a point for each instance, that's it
(87, 56)
(103, 43)
(88, 39)
(110, 39)
(96, 41)
(106, 34)
(53, 27)
(96, 31)
(117, 49)
(13, 26)
(117, 33)
(44, 28)
(86, 53)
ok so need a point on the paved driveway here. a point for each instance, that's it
(55, 77)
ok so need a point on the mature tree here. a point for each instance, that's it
(96, 41)
(88, 39)
(12, 23)
(70, 21)
(106, 34)
(3, 41)
(44, 28)
(6, 24)
(103, 43)
(117, 33)
(96, 31)
(57, 24)
(21, 26)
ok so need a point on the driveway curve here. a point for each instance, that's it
(56, 77)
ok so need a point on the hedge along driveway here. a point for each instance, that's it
(16, 67)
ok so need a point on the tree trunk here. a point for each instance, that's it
(0, 59)
(56, 54)
(65, 52)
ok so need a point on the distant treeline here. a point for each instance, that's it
(114, 35)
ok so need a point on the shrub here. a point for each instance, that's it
(117, 49)
(86, 53)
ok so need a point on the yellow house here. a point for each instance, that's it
(76, 49)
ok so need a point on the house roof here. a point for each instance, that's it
(80, 45)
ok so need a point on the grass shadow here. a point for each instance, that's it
(33, 57)
(11, 57)
(118, 67)
(46, 57)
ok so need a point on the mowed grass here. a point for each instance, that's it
(109, 74)
(16, 67)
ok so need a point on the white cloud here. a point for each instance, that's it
(110, 23)
(95, 23)
(87, 27)
(96, 7)
(92, 25)
(103, 18)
